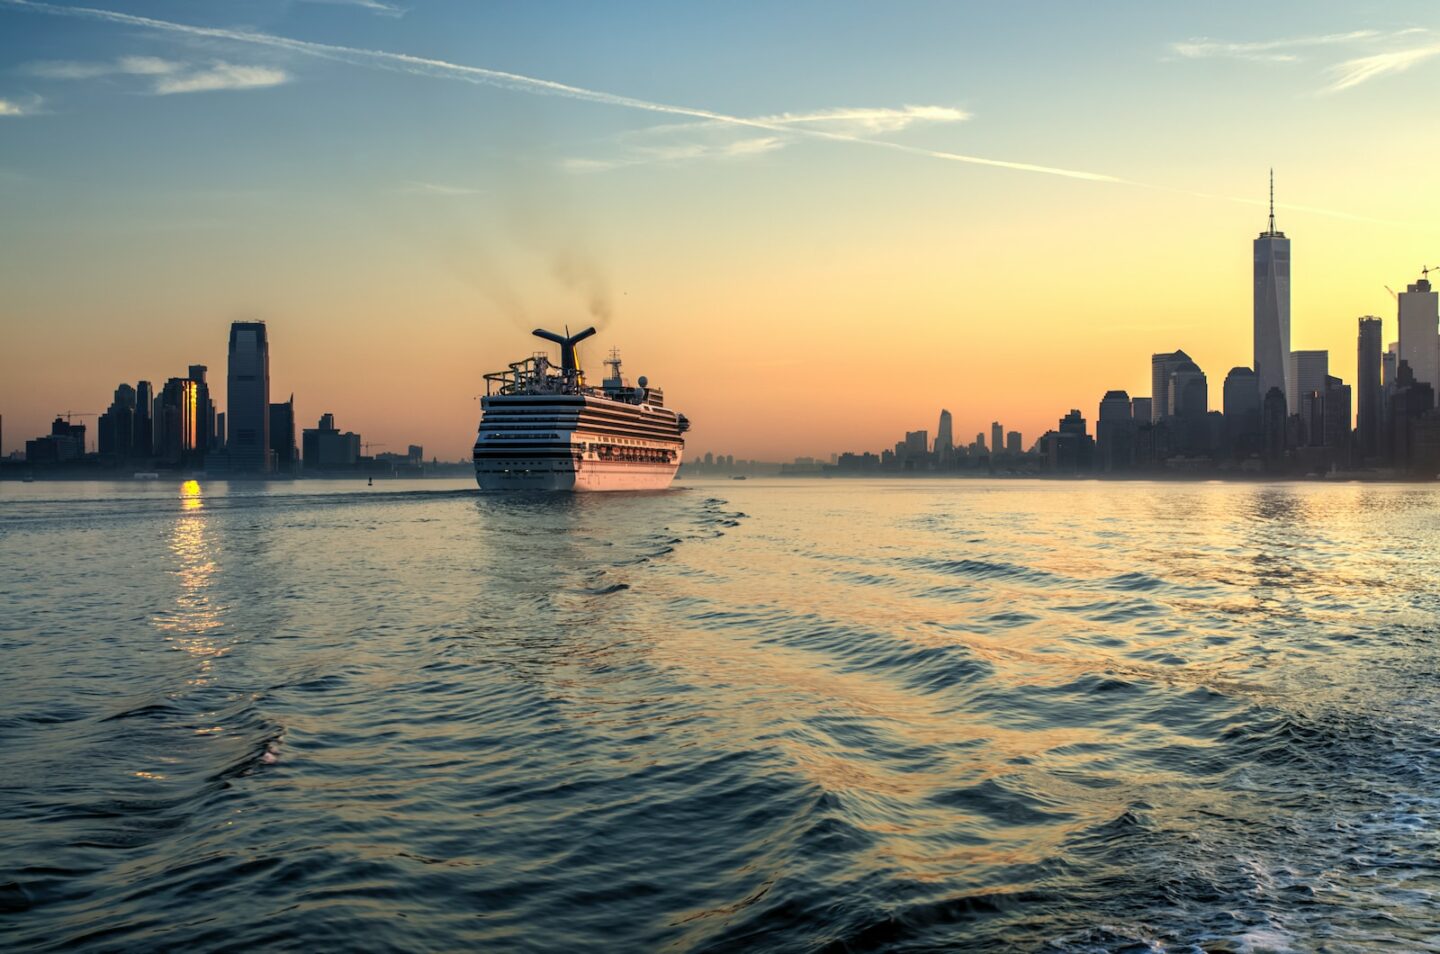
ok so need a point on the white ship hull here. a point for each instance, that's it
(586, 476)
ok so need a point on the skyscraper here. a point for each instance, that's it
(945, 437)
(997, 437)
(1272, 306)
(1308, 371)
(1242, 412)
(1369, 395)
(204, 409)
(282, 436)
(144, 419)
(1189, 394)
(117, 426)
(178, 440)
(1272, 426)
(1335, 424)
(248, 397)
(1420, 332)
(1114, 433)
(1161, 367)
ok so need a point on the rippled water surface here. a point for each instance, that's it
(770, 715)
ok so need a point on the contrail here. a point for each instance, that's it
(424, 66)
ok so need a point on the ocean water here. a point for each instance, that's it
(785, 715)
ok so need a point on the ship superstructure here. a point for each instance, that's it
(543, 428)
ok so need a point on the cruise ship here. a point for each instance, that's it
(543, 428)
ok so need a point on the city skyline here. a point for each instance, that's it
(401, 225)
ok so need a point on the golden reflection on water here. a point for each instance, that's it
(192, 622)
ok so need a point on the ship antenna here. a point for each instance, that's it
(1272, 200)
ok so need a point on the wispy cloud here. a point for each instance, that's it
(438, 188)
(169, 76)
(676, 143)
(679, 154)
(1272, 51)
(1364, 68)
(374, 6)
(425, 66)
(1383, 60)
(221, 76)
(9, 107)
(126, 65)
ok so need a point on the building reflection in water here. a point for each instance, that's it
(192, 622)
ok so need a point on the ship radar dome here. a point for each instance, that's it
(644, 381)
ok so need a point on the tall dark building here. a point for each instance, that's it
(1189, 408)
(248, 397)
(1335, 428)
(117, 426)
(1114, 433)
(1368, 388)
(282, 436)
(1069, 449)
(1273, 423)
(1408, 401)
(144, 419)
(1243, 433)
(1162, 366)
(177, 417)
(204, 409)
(1272, 307)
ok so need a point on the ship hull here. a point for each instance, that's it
(589, 476)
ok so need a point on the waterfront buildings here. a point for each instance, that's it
(1069, 449)
(116, 427)
(1369, 393)
(1162, 366)
(1115, 433)
(1308, 371)
(945, 436)
(1419, 312)
(325, 448)
(177, 419)
(207, 439)
(1241, 409)
(283, 452)
(248, 397)
(1272, 306)
(66, 442)
(144, 419)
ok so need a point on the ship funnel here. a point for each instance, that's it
(568, 359)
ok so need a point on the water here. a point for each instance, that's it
(773, 716)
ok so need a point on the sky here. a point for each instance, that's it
(814, 224)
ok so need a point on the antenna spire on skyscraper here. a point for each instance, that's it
(1272, 200)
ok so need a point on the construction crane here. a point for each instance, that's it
(69, 414)
(365, 447)
(1392, 293)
